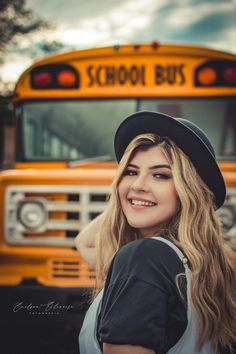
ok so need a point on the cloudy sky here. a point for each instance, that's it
(93, 23)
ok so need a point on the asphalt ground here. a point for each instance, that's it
(33, 321)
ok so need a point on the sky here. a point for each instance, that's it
(80, 24)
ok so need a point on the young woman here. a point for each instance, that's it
(166, 279)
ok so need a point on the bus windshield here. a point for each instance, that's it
(74, 130)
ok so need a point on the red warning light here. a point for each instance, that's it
(216, 73)
(230, 75)
(42, 79)
(66, 78)
(207, 76)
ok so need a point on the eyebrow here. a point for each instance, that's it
(151, 167)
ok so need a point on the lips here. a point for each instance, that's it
(140, 202)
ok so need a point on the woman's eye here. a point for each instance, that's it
(129, 173)
(161, 176)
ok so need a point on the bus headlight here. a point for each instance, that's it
(227, 217)
(32, 214)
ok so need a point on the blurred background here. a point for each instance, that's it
(31, 29)
(52, 129)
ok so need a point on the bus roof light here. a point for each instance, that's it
(42, 79)
(155, 44)
(229, 75)
(116, 47)
(55, 76)
(66, 78)
(216, 73)
(136, 46)
(207, 76)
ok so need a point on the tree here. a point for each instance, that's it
(15, 19)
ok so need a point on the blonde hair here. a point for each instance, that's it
(195, 229)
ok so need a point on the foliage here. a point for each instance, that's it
(15, 19)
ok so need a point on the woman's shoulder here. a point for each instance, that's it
(148, 255)
(147, 247)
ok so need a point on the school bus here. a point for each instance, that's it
(67, 107)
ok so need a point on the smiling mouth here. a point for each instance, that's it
(141, 203)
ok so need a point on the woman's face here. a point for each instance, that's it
(147, 192)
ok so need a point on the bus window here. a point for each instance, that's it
(86, 127)
(55, 148)
(214, 116)
(46, 142)
(30, 131)
(228, 137)
(86, 131)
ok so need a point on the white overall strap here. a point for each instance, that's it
(88, 342)
(175, 248)
(187, 343)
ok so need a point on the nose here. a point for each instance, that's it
(140, 184)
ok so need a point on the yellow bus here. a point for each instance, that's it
(67, 107)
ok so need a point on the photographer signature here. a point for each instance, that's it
(48, 307)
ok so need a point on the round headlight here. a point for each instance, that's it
(32, 215)
(227, 217)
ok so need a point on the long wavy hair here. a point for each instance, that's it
(195, 229)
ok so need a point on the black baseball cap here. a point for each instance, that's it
(185, 134)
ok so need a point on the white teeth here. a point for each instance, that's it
(141, 202)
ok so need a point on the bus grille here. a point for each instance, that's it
(51, 215)
(69, 269)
